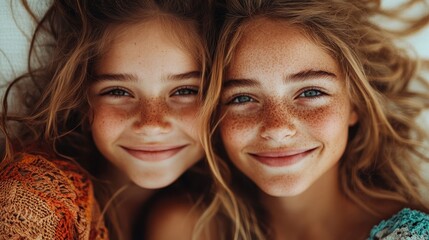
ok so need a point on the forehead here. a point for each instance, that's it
(144, 33)
(142, 44)
(180, 33)
(272, 43)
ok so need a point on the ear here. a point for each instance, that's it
(353, 117)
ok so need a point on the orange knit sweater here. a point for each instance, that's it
(41, 199)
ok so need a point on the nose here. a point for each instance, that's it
(152, 118)
(278, 123)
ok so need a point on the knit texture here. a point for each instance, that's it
(41, 199)
(405, 225)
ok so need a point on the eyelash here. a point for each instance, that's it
(192, 91)
(111, 92)
(319, 93)
(235, 97)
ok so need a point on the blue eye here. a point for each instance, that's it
(116, 92)
(241, 99)
(186, 91)
(311, 93)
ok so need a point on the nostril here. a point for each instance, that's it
(152, 128)
(278, 129)
(152, 124)
(277, 134)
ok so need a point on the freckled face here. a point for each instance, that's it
(287, 109)
(144, 105)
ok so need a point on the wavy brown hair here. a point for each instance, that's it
(53, 111)
(385, 147)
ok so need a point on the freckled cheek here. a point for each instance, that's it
(327, 123)
(109, 117)
(239, 129)
(183, 113)
(187, 117)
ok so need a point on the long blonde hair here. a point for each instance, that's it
(384, 150)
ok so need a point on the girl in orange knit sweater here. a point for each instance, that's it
(115, 96)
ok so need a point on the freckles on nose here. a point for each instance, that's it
(152, 110)
(277, 114)
(280, 113)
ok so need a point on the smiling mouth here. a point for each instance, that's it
(155, 153)
(281, 158)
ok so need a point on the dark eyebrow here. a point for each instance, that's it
(183, 76)
(308, 74)
(244, 82)
(115, 77)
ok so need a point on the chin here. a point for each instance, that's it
(282, 188)
(282, 192)
(156, 182)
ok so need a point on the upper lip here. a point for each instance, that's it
(154, 148)
(277, 153)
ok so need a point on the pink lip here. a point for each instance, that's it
(154, 153)
(281, 158)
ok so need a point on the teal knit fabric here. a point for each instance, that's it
(407, 224)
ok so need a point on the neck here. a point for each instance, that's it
(127, 198)
(320, 212)
(129, 206)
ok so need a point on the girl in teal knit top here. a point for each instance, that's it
(407, 224)
(310, 122)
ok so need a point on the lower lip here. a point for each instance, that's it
(282, 161)
(154, 156)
